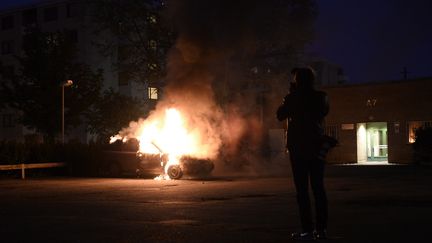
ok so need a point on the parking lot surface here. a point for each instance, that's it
(367, 204)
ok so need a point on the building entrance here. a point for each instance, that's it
(372, 142)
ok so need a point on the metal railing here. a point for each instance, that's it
(23, 167)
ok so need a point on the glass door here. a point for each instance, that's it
(376, 141)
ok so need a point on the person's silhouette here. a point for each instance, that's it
(305, 109)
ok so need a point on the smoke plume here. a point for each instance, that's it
(209, 34)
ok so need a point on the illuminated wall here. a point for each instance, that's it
(361, 143)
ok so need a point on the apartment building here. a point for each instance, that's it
(51, 16)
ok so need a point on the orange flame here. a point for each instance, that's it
(166, 134)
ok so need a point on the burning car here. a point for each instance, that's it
(180, 149)
(186, 165)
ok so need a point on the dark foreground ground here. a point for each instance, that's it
(367, 204)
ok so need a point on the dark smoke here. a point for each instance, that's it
(206, 72)
(211, 34)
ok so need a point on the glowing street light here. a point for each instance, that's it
(66, 83)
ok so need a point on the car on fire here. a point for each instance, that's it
(187, 165)
(120, 160)
(117, 163)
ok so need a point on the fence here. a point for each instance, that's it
(22, 167)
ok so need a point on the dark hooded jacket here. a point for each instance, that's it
(305, 109)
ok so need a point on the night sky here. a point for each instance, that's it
(372, 40)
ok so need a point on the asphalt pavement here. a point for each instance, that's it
(366, 204)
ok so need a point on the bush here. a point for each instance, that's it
(423, 146)
(81, 159)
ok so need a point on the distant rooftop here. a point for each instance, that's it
(13, 5)
(9, 4)
(422, 79)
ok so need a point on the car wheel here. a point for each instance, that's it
(175, 172)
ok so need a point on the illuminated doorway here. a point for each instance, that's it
(372, 142)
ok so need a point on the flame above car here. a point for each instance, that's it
(169, 136)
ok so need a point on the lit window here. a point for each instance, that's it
(153, 44)
(152, 93)
(52, 39)
(152, 66)
(152, 19)
(413, 126)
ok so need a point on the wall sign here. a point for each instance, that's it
(348, 126)
(371, 102)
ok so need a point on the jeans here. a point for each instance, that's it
(313, 171)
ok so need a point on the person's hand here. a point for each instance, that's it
(285, 99)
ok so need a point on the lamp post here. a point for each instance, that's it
(66, 83)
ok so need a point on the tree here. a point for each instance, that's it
(35, 90)
(283, 29)
(112, 112)
(265, 38)
(142, 40)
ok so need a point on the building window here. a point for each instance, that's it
(50, 14)
(29, 17)
(52, 39)
(332, 131)
(69, 11)
(152, 19)
(152, 44)
(152, 66)
(8, 121)
(7, 22)
(6, 47)
(413, 126)
(72, 36)
(152, 93)
(72, 10)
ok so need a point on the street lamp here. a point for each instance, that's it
(66, 83)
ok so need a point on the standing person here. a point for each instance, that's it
(305, 109)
